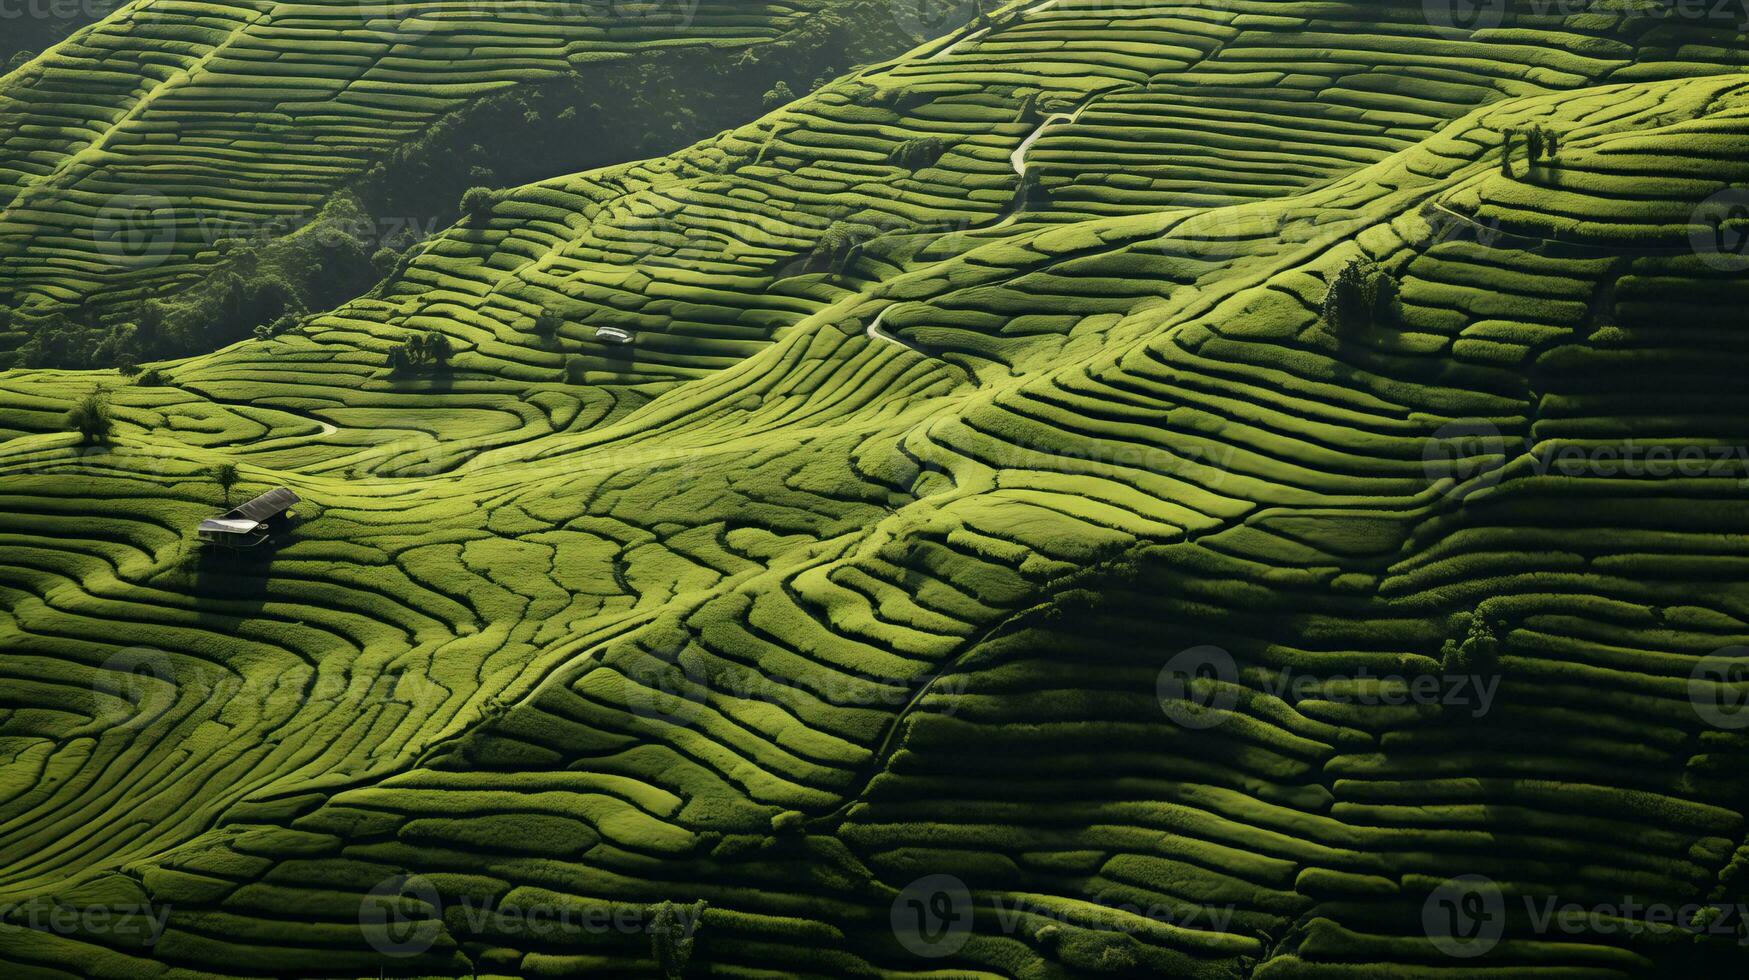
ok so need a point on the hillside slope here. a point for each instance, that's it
(153, 156)
(991, 555)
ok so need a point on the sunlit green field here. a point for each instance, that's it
(1121, 489)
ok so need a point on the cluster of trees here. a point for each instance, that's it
(1541, 146)
(576, 369)
(547, 324)
(261, 285)
(919, 153)
(1363, 296)
(779, 95)
(422, 350)
(836, 249)
(1475, 650)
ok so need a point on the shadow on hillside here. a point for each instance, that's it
(436, 382)
(231, 586)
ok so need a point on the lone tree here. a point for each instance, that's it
(477, 204)
(226, 476)
(673, 931)
(1506, 149)
(90, 418)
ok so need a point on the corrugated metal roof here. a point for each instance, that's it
(267, 506)
(227, 525)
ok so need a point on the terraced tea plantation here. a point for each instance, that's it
(1126, 488)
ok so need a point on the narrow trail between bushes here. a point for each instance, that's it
(876, 333)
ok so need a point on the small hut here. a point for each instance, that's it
(249, 524)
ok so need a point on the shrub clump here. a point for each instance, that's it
(422, 350)
(478, 204)
(1363, 296)
(91, 418)
(919, 153)
(673, 931)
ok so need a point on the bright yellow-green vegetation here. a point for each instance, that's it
(861, 560)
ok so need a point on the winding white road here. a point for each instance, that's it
(1019, 157)
(876, 333)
